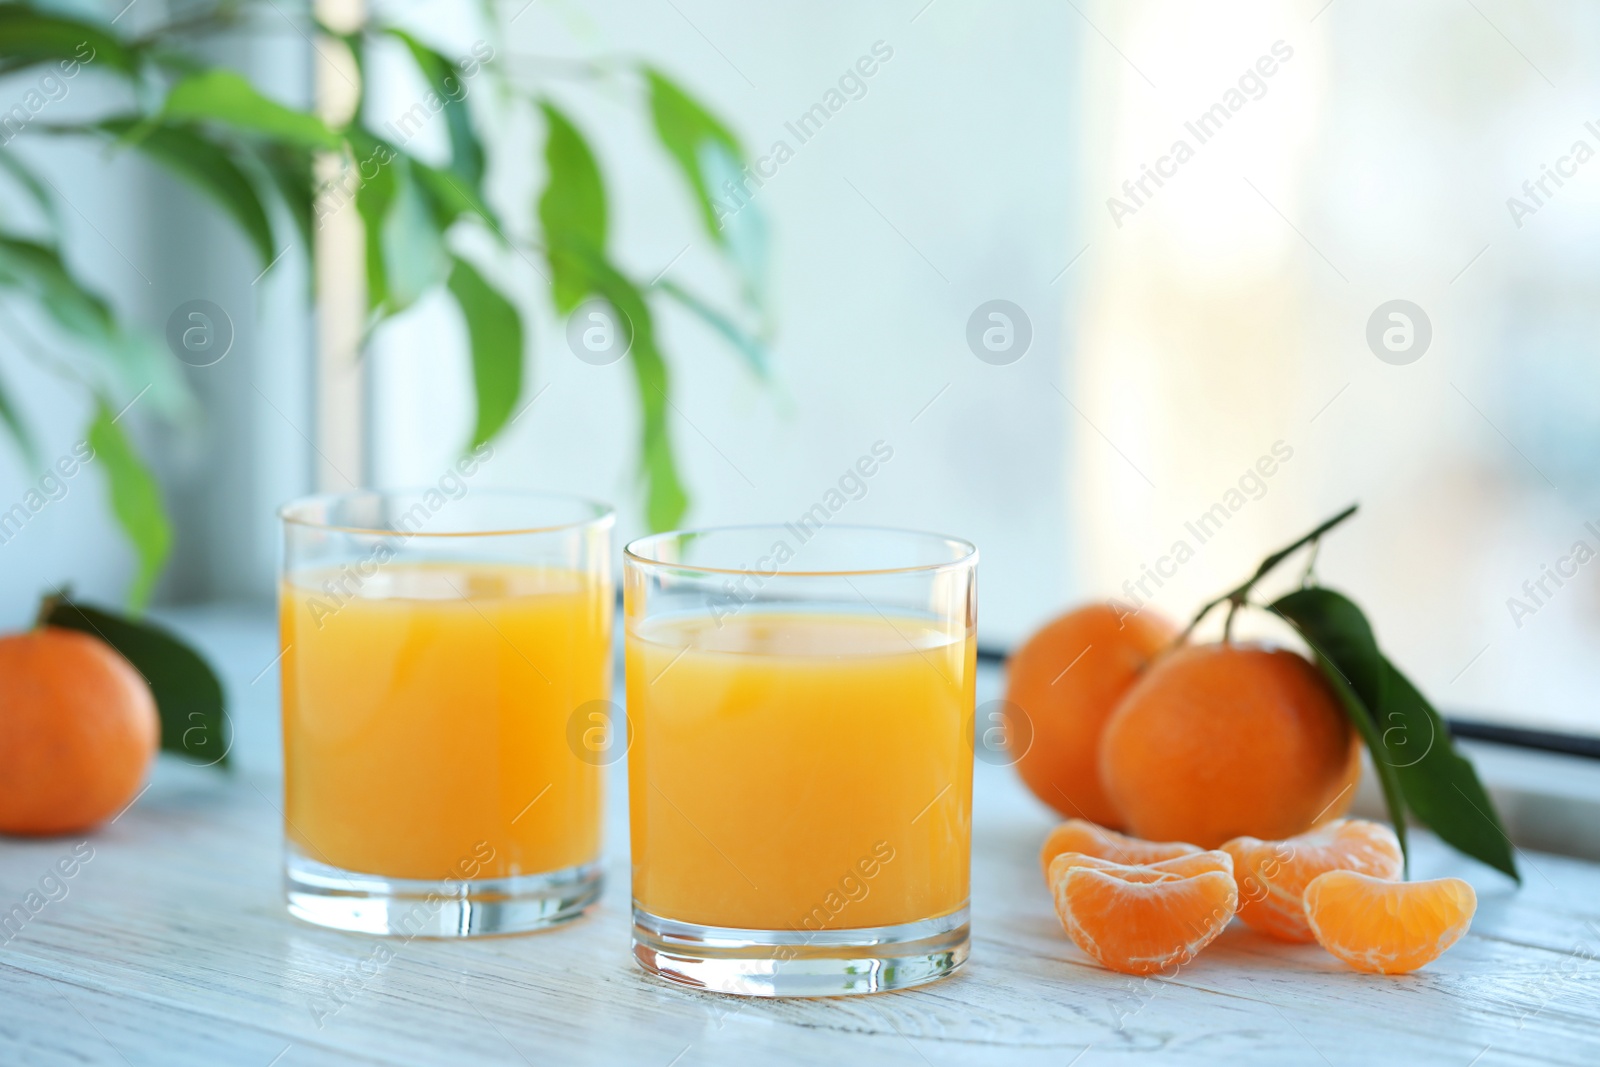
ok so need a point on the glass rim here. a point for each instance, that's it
(603, 514)
(968, 551)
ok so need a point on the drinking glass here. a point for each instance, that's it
(437, 647)
(800, 700)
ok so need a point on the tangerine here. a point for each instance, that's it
(1066, 680)
(1222, 740)
(78, 729)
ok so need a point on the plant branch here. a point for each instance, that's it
(206, 21)
(1240, 594)
(1310, 575)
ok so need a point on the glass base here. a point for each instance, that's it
(403, 907)
(800, 963)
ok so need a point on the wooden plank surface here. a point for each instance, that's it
(171, 946)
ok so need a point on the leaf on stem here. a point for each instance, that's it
(666, 501)
(580, 270)
(39, 271)
(373, 197)
(133, 362)
(451, 198)
(572, 210)
(135, 501)
(447, 83)
(188, 696)
(749, 346)
(712, 160)
(31, 36)
(218, 95)
(495, 331)
(414, 257)
(665, 498)
(292, 175)
(1410, 744)
(573, 215)
(1441, 786)
(208, 167)
(686, 130)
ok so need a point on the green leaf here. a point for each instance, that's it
(373, 197)
(495, 330)
(414, 256)
(133, 361)
(686, 130)
(751, 347)
(291, 173)
(405, 208)
(135, 501)
(39, 271)
(136, 361)
(450, 198)
(666, 501)
(745, 237)
(466, 153)
(1407, 738)
(1441, 786)
(208, 167)
(572, 210)
(28, 36)
(224, 96)
(1361, 718)
(194, 721)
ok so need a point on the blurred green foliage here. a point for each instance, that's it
(257, 158)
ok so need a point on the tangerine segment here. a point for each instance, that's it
(1273, 875)
(1133, 923)
(1089, 839)
(1386, 927)
(1170, 870)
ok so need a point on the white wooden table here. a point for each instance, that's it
(171, 946)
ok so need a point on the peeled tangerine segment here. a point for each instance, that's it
(1387, 927)
(1273, 875)
(1092, 839)
(1143, 918)
(1168, 870)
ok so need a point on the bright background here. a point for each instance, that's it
(1169, 353)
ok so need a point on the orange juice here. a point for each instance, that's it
(795, 771)
(425, 718)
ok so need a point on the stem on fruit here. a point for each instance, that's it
(1240, 594)
(1309, 578)
(47, 607)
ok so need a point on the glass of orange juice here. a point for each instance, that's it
(441, 650)
(800, 704)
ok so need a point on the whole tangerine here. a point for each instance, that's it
(1226, 740)
(1065, 681)
(78, 729)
